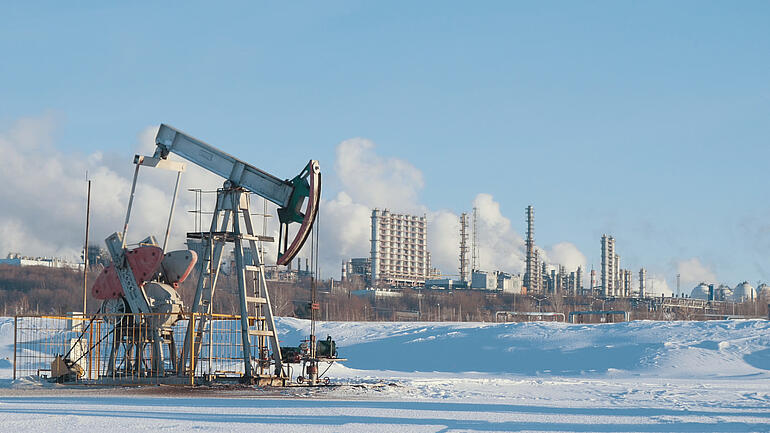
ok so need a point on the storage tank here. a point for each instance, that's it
(701, 291)
(744, 292)
(763, 291)
(724, 293)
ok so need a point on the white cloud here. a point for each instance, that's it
(567, 254)
(657, 286)
(365, 180)
(500, 246)
(44, 193)
(693, 272)
(377, 181)
(444, 241)
(345, 231)
(44, 198)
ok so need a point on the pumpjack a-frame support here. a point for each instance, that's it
(254, 299)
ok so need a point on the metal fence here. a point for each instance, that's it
(528, 316)
(604, 316)
(135, 348)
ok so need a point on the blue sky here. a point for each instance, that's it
(647, 120)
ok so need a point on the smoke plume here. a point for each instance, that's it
(693, 272)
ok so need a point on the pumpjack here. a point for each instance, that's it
(139, 288)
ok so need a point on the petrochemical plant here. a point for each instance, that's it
(399, 258)
(145, 332)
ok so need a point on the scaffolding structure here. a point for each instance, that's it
(609, 270)
(231, 223)
(532, 274)
(464, 247)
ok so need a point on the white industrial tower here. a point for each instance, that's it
(579, 281)
(609, 272)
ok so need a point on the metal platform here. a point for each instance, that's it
(228, 236)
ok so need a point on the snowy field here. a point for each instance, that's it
(451, 377)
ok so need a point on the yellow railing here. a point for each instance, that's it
(134, 348)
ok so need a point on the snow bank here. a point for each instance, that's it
(639, 348)
(714, 349)
(636, 376)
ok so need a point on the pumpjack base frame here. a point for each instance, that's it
(260, 381)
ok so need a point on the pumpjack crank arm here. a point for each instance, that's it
(289, 195)
(307, 184)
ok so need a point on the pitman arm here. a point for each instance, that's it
(287, 194)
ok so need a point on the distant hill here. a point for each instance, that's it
(30, 289)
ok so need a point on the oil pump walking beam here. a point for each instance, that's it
(289, 195)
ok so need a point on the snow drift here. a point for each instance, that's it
(665, 349)
(714, 349)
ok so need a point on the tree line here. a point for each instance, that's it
(41, 290)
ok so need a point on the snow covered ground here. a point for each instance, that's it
(442, 377)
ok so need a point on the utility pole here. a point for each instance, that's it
(85, 250)
(419, 306)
